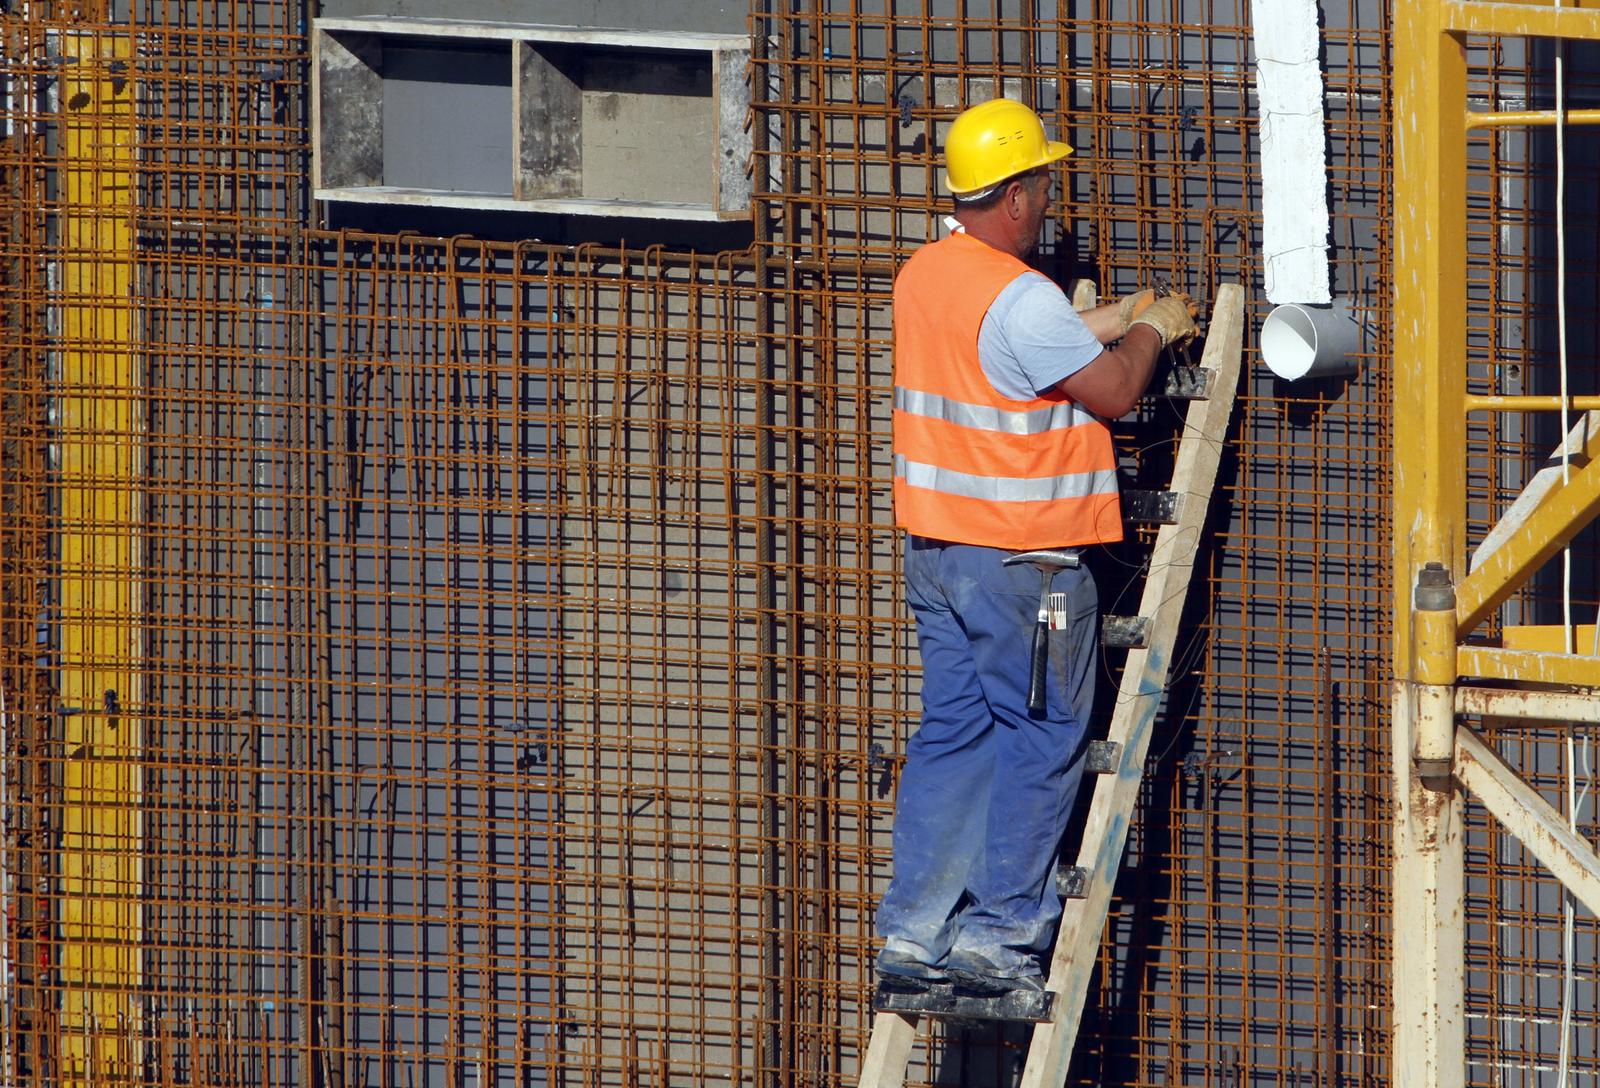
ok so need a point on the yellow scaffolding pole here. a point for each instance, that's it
(100, 423)
(1439, 598)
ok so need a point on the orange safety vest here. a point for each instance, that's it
(972, 466)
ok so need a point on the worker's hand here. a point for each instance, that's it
(1131, 307)
(1170, 317)
(1188, 302)
(1137, 303)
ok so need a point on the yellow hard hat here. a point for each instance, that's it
(994, 141)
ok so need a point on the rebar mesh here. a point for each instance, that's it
(524, 678)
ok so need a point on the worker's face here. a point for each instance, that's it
(1035, 192)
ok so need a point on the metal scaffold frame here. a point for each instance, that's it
(1442, 597)
(101, 685)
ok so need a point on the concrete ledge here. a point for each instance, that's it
(535, 32)
(494, 202)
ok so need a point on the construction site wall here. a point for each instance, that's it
(465, 649)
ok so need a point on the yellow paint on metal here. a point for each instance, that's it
(98, 439)
(1529, 666)
(1579, 19)
(1430, 411)
(1430, 255)
(1479, 403)
(1559, 517)
(1514, 118)
(1434, 635)
(1548, 637)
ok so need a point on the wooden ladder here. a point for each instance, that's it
(1119, 759)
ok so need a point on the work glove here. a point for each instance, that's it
(1131, 307)
(1137, 303)
(1170, 317)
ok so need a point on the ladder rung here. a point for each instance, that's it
(1103, 757)
(1125, 632)
(1152, 507)
(941, 1000)
(1521, 19)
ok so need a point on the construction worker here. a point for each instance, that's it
(1000, 387)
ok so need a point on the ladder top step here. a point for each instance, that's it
(942, 1001)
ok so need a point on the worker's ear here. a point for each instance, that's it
(1015, 190)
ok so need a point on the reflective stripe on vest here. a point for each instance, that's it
(1074, 485)
(1052, 417)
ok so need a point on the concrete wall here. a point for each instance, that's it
(721, 16)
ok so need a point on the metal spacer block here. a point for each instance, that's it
(1151, 507)
(1103, 757)
(1189, 383)
(1072, 882)
(1125, 632)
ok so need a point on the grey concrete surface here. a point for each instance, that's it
(447, 116)
(721, 16)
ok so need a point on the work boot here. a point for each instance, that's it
(972, 974)
(904, 973)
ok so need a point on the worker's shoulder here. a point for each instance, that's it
(1029, 296)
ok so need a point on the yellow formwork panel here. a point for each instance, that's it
(1575, 19)
(1550, 638)
(100, 423)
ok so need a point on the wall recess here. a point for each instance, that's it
(524, 117)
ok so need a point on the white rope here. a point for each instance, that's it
(1575, 801)
(1563, 1065)
(1568, 635)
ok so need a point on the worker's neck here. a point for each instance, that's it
(993, 228)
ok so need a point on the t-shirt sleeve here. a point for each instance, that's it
(1040, 337)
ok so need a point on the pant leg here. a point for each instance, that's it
(943, 803)
(1038, 758)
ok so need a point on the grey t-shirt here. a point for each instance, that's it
(1032, 338)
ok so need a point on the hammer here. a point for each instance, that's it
(1047, 562)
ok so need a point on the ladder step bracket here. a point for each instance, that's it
(1152, 507)
(942, 1001)
(1189, 383)
(1072, 882)
(1125, 632)
(1103, 757)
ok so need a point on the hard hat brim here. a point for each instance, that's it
(1054, 151)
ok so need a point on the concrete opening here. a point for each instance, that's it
(503, 116)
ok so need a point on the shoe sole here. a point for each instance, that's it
(990, 985)
(909, 984)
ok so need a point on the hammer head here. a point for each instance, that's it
(1051, 559)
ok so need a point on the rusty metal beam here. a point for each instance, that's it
(1532, 820)
(1429, 901)
(1532, 706)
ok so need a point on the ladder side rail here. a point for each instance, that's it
(1139, 695)
(889, 1052)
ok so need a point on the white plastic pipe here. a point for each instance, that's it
(1299, 341)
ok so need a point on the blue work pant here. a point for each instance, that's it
(988, 786)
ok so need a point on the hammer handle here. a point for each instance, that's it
(1040, 663)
